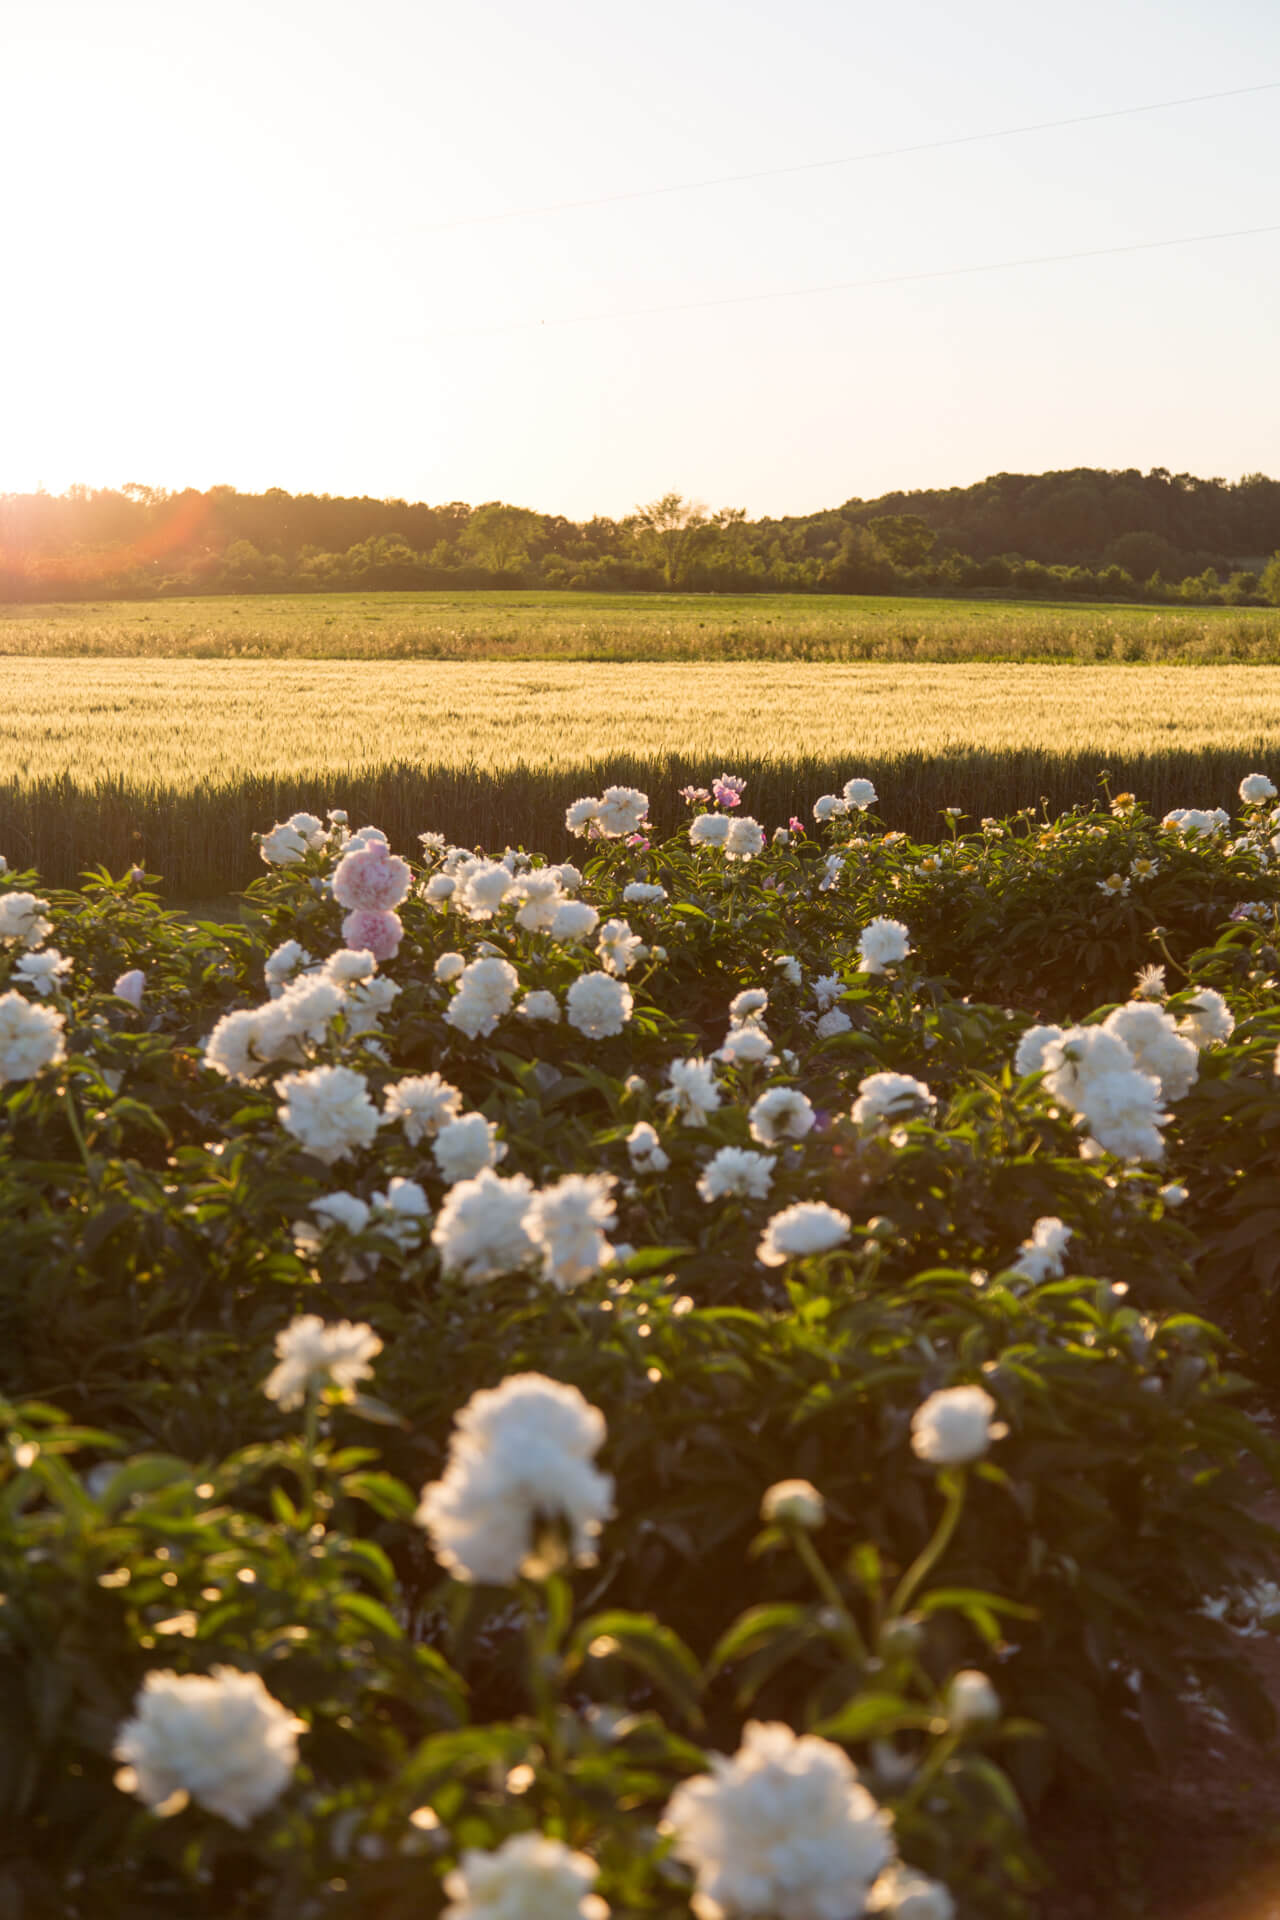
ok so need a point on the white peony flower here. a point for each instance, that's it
(424, 1104)
(783, 1829)
(745, 1046)
(1157, 1046)
(640, 893)
(218, 1738)
(343, 1210)
(311, 1356)
(282, 963)
(541, 897)
(621, 810)
(1196, 823)
(810, 1227)
(573, 920)
(971, 1701)
(1032, 1048)
(645, 1149)
(891, 1096)
(31, 1038)
(568, 1223)
(783, 1113)
(284, 846)
(903, 1894)
(1043, 1256)
(22, 921)
(539, 1005)
(1256, 787)
(709, 829)
(43, 971)
(598, 1005)
(833, 867)
(793, 1503)
(1208, 1019)
(480, 1231)
(351, 966)
(580, 817)
(692, 1093)
(884, 944)
(328, 1111)
(483, 890)
(520, 1459)
(827, 989)
(737, 1171)
(860, 794)
(529, 1877)
(1091, 1070)
(747, 1005)
(829, 806)
(466, 1145)
(954, 1426)
(617, 946)
(447, 968)
(1150, 983)
(834, 1021)
(131, 986)
(438, 891)
(789, 967)
(485, 993)
(744, 840)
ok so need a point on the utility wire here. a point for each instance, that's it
(843, 160)
(849, 286)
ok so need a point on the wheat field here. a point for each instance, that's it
(176, 763)
(531, 625)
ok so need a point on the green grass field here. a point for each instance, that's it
(577, 626)
(175, 763)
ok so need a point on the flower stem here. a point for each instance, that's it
(827, 1587)
(933, 1551)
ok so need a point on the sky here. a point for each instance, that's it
(250, 243)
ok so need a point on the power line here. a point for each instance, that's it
(849, 286)
(843, 160)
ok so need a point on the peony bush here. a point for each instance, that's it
(726, 1378)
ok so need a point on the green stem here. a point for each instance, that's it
(827, 1587)
(307, 1475)
(543, 1692)
(932, 1552)
(927, 1775)
(73, 1121)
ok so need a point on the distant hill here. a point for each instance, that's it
(1086, 531)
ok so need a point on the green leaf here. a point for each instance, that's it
(648, 1644)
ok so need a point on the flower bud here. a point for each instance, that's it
(793, 1503)
(971, 1701)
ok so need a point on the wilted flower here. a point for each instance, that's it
(793, 1503)
(529, 1877)
(891, 1096)
(568, 1223)
(598, 1005)
(737, 1171)
(31, 1038)
(954, 1426)
(810, 1227)
(884, 944)
(310, 1356)
(480, 1230)
(217, 1738)
(783, 1113)
(520, 1460)
(464, 1146)
(328, 1111)
(784, 1828)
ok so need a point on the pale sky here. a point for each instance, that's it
(223, 258)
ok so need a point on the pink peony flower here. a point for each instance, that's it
(371, 880)
(378, 933)
(796, 825)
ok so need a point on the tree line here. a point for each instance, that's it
(1087, 532)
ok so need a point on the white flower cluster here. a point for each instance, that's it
(891, 1096)
(219, 1739)
(783, 1828)
(22, 921)
(737, 836)
(520, 1463)
(489, 1226)
(298, 1015)
(1043, 1256)
(529, 1877)
(618, 811)
(1195, 823)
